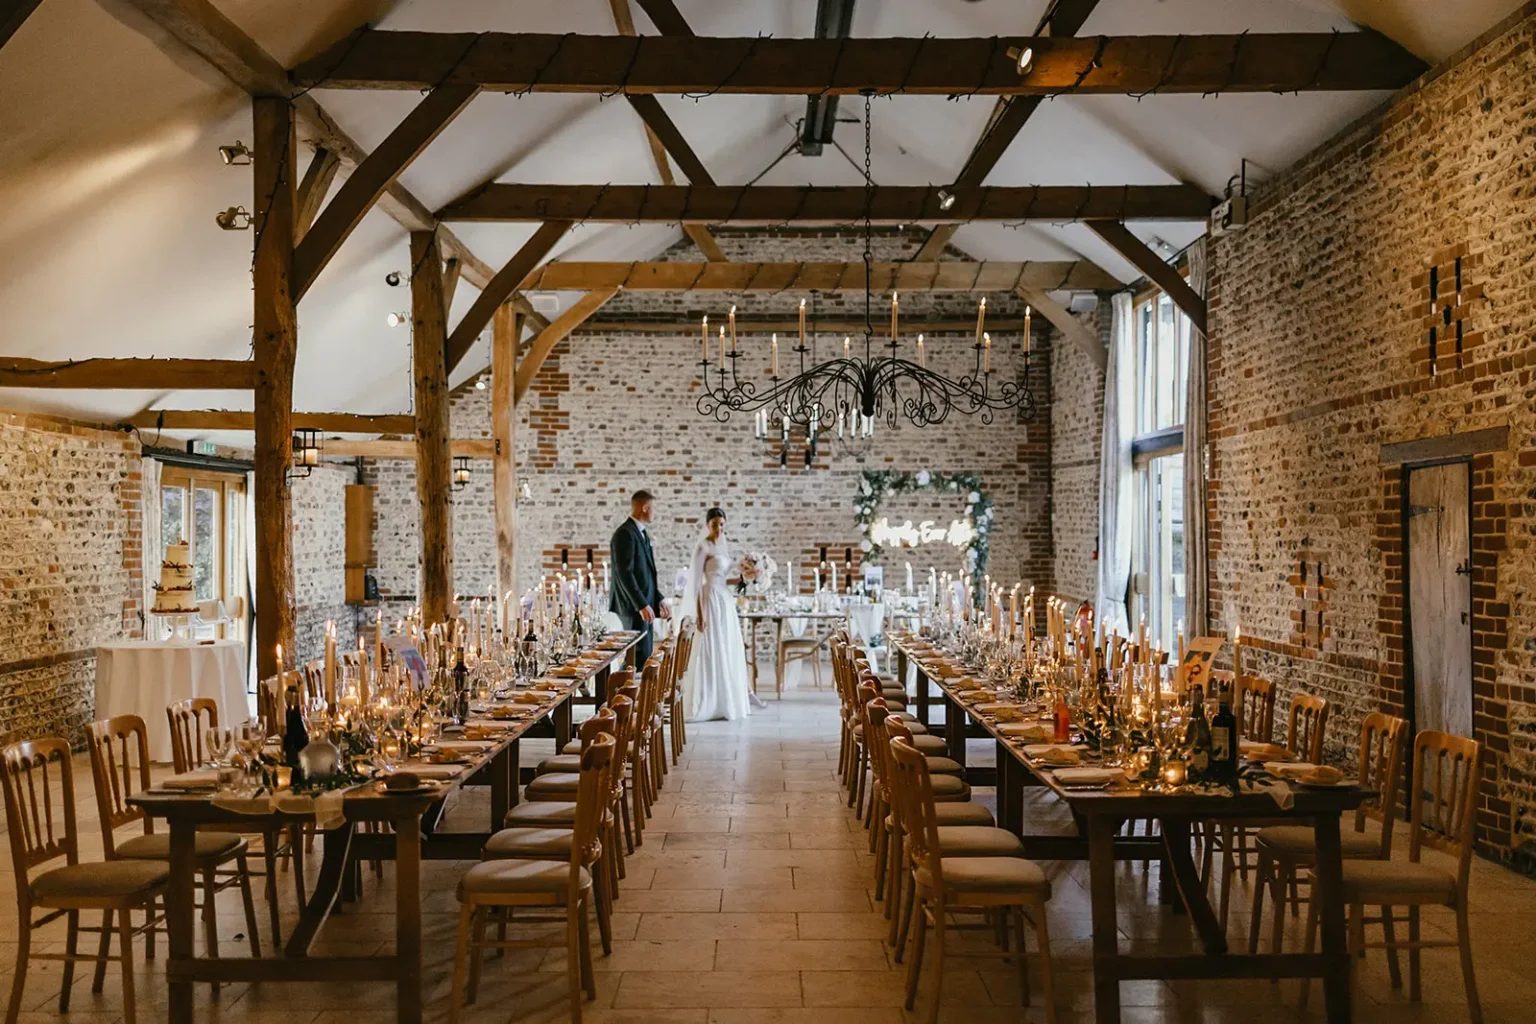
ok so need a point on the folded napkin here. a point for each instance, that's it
(1029, 732)
(1288, 769)
(422, 770)
(996, 706)
(529, 697)
(327, 807)
(1256, 751)
(1052, 753)
(1071, 777)
(203, 778)
(1279, 792)
(466, 746)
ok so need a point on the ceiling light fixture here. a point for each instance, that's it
(396, 319)
(479, 383)
(238, 155)
(946, 199)
(1024, 58)
(392, 279)
(236, 218)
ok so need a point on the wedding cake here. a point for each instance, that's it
(174, 594)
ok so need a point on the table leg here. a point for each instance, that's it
(752, 654)
(179, 901)
(408, 918)
(954, 729)
(1328, 891)
(503, 769)
(1010, 790)
(901, 667)
(335, 847)
(1106, 936)
(924, 693)
(560, 717)
(778, 660)
(1181, 863)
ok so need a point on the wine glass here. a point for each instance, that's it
(220, 744)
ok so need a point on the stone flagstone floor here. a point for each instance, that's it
(750, 903)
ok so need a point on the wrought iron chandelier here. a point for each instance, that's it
(852, 393)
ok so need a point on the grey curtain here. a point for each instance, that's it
(1115, 483)
(1196, 459)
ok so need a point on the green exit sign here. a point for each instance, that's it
(202, 448)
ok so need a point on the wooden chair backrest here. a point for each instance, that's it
(685, 638)
(598, 761)
(623, 708)
(913, 789)
(620, 679)
(1444, 794)
(601, 723)
(190, 721)
(1307, 727)
(1255, 711)
(119, 749)
(269, 710)
(314, 680)
(1381, 768)
(41, 822)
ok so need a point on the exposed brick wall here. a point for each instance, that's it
(319, 556)
(1077, 431)
(610, 413)
(70, 568)
(1320, 313)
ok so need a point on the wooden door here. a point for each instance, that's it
(1440, 597)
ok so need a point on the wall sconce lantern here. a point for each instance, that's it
(306, 453)
(461, 471)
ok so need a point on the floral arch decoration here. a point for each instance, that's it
(875, 485)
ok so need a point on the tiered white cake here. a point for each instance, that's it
(174, 595)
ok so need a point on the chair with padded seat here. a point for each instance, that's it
(1285, 850)
(865, 688)
(554, 841)
(1004, 889)
(190, 721)
(119, 750)
(676, 707)
(564, 886)
(38, 779)
(1443, 799)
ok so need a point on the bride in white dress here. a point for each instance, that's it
(717, 684)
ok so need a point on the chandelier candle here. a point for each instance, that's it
(981, 318)
(986, 352)
(732, 319)
(773, 370)
(706, 339)
(894, 305)
(1027, 312)
(920, 360)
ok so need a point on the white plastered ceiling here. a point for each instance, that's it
(110, 176)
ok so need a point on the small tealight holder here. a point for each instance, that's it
(284, 777)
(1175, 773)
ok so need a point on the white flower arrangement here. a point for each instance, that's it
(756, 571)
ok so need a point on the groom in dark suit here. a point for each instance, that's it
(636, 597)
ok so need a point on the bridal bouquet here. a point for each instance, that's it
(755, 573)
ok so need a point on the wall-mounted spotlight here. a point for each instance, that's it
(306, 453)
(461, 470)
(238, 155)
(236, 218)
(396, 319)
(392, 279)
(946, 199)
(1024, 58)
(480, 383)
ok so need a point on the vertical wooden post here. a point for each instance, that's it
(276, 346)
(433, 463)
(506, 330)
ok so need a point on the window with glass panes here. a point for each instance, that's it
(1157, 549)
(206, 508)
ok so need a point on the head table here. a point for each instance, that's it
(1101, 812)
(414, 816)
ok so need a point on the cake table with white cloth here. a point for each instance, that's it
(141, 677)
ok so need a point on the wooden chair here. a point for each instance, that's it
(1443, 810)
(42, 829)
(555, 842)
(1283, 850)
(119, 749)
(1001, 887)
(865, 688)
(539, 884)
(1254, 708)
(1306, 729)
(676, 709)
(190, 721)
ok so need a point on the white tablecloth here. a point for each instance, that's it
(141, 677)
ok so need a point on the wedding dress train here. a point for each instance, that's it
(717, 683)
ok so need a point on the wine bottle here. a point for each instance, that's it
(295, 735)
(1223, 765)
(1063, 719)
(461, 686)
(1197, 736)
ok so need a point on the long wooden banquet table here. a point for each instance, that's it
(414, 817)
(1099, 815)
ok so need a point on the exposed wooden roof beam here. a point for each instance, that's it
(203, 29)
(475, 448)
(910, 326)
(12, 14)
(453, 269)
(783, 204)
(130, 374)
(370, 178)
(506, 62)
(314, 187)
(546, 340)
(217, 419)
(666, 17)
(1067, 324)
(946, 275)
(834, 20)
(510, 279)
(658, 128)
(1062, 18)
(1158, 272)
